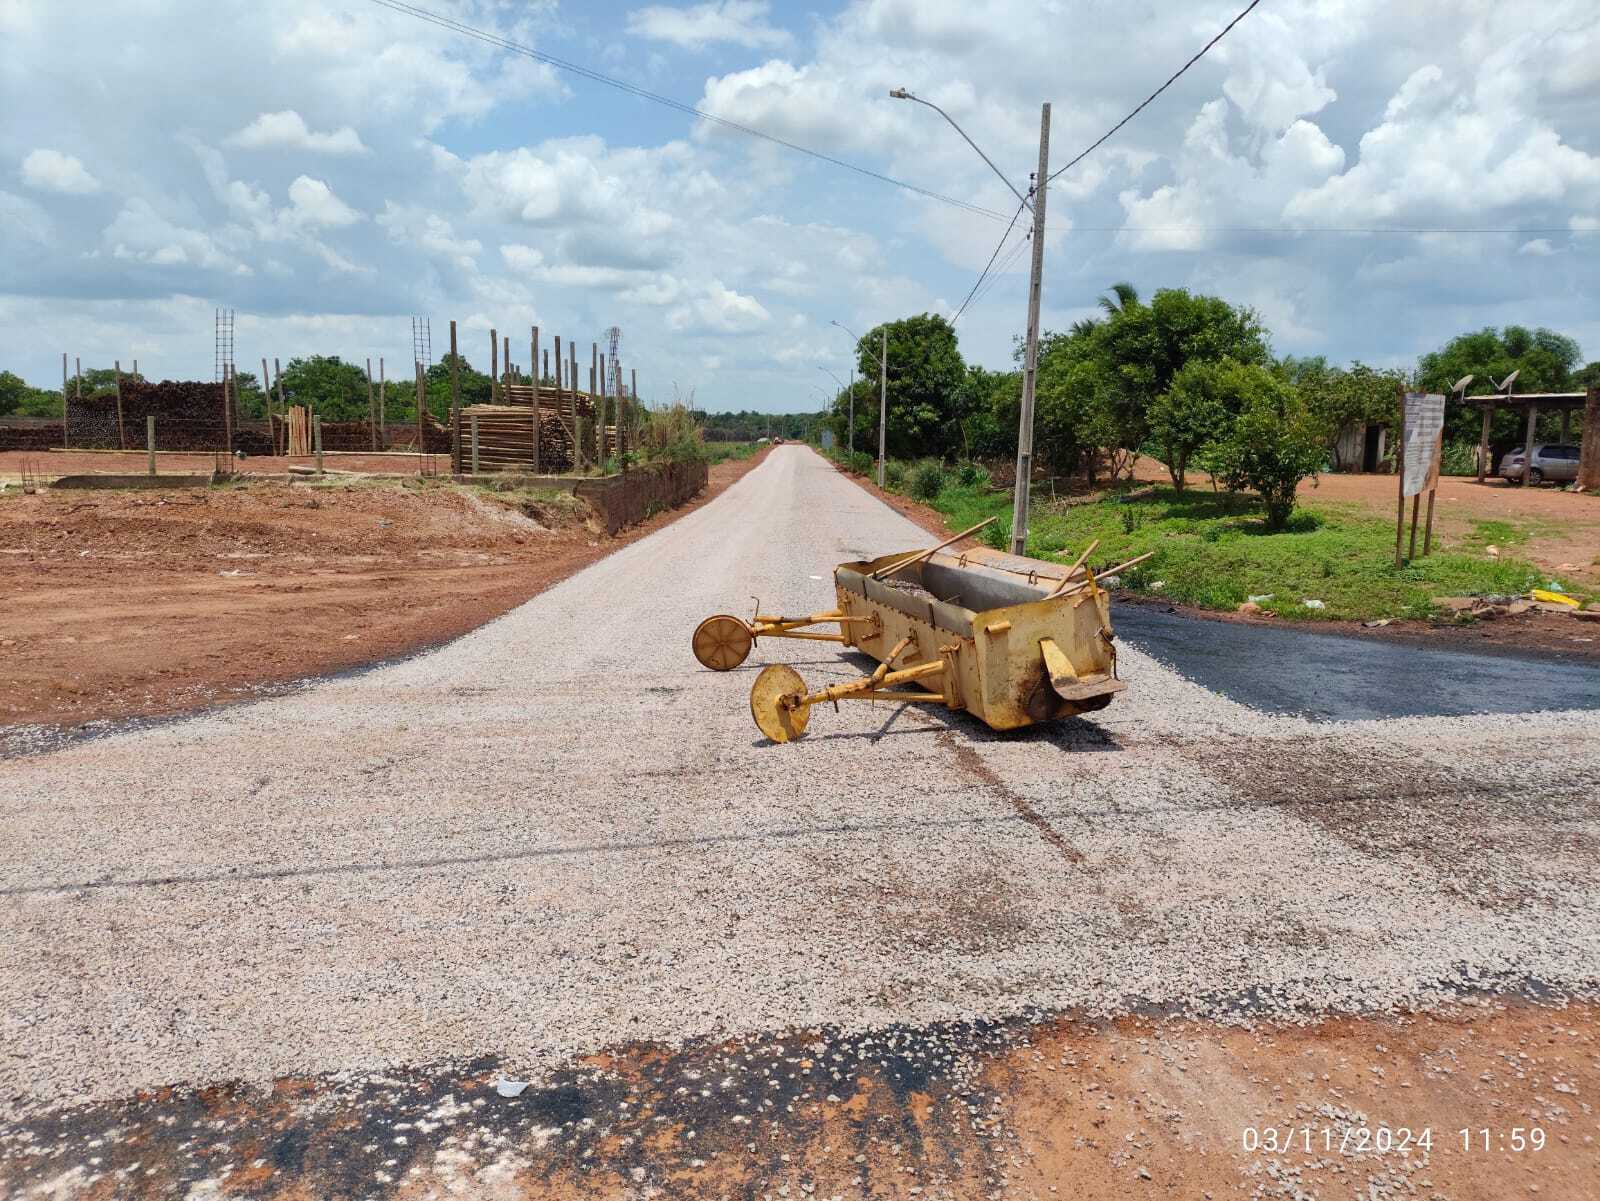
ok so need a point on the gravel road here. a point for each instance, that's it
(559, 833)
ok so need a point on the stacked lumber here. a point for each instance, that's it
(505, 439)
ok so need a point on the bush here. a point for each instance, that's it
(859, 461)
(972, 475)
(670, 433)
(894, 475)
(1459, 458)
(997, 534)
(927, 482)
(1275, 442)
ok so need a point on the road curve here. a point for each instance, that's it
(559, 833)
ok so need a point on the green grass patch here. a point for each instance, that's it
(1213, 550)
(721, 452)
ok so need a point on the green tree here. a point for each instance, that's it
(1195, 410)
(1274, 443)
(332, 388)
(13, 391)
(1544, 360)
(925, 374)
(1099, 380)
(1340, 398)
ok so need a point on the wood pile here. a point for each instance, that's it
(299, 422)
(189, 416)
(505, 439)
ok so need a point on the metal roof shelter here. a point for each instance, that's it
(1533, 402)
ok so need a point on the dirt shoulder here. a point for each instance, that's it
(138, 604)
(1347, 1107)
(1539, 633)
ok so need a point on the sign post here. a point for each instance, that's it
(1421, 448)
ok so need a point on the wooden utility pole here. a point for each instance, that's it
(266, 400)
(65, 441)
(372, 409)
(277, 377)
(1400, 479)
(122, 439)
(505, 362)
(455, 404)
(494, 366)
(1030, 362)
(422, 402)
(533, 369)
(227, 411)
(383, 406)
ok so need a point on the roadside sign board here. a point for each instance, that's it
(1424, 435)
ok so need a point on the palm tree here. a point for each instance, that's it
(1085, 326)
(1126, 297)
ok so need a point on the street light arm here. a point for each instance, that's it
(902, 94)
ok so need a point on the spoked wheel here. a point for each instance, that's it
(778, 721)
(722, 642)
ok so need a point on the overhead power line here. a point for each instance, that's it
(561, 64)
(998, 246)
(1103, 138)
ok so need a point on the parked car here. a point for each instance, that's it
(1556, 461)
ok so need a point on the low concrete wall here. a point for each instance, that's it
(624, 500)
(133, 481)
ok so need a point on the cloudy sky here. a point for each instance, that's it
(328, 168)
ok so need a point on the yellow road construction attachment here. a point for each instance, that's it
(1014, 641)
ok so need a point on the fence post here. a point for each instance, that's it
(150, 439)
(383, 405)
(65, 441)
(494, 366)
(533, 370)
(122, 439)
(455, 405)
(277, 376)
(227, 413)
(474, 421)
(316, 438)
(372, 410)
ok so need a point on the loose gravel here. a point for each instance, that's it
(559, 833)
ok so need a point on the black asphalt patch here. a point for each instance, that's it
(1339, 677)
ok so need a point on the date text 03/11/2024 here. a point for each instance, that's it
(1358, 1140)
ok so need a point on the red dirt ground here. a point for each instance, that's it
(137, 603)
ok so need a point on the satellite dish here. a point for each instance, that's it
(1460, 386)
(1505, 384)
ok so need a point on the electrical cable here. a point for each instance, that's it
(1103, 138)
(562, 64)
(998, 245)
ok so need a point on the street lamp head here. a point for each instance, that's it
(900, 94)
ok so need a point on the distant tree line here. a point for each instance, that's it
(1188, 378)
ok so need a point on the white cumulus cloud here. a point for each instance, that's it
(742, 22)
(52, 171)
(288, 130)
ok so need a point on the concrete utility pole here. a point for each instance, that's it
(1019, 504)
(883, 400)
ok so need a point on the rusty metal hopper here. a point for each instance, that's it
(1011, 640)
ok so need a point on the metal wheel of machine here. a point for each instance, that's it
(776, 720)
(722, 642)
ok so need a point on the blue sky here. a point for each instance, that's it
(329, 168)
